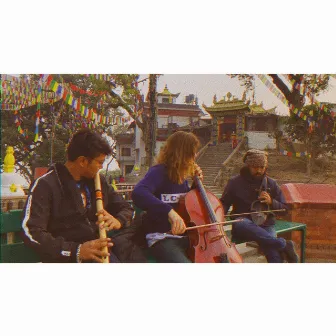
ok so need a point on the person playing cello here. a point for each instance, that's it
(159, 192)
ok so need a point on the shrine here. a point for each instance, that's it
(238, 117)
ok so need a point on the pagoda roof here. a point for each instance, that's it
(259, 109)
(228, 103)
(166, 92)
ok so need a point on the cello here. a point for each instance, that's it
(208, 244)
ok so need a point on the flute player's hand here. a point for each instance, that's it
(92, 250)
(110, 222)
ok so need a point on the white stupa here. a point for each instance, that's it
(11, 182)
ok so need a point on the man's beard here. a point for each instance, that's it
(258, 176)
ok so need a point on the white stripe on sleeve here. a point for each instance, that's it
(27, 212)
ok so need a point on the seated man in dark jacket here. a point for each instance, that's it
(60, 217)
(253, 187)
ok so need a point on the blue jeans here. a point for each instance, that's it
(265, 236)
(171, 250)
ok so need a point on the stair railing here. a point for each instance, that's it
(202, 151)
(229, 158)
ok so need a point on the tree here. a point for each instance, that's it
(150, 143)
(146, 122)
(300, 91)
(321, 140)
(59, 120)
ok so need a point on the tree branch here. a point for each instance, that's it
(121, 103)
(26, 171)
(293, 96)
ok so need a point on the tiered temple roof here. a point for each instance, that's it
(259, 109)
(228, 103)
(231, 104)
(167, 93)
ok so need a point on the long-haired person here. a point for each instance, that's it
(158, 194)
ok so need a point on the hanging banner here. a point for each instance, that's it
(294, 110)
(67, 96)
(38, 111)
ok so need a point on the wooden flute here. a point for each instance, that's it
(99, 204)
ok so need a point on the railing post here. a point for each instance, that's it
(228, 159)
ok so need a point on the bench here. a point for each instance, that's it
(281, 227)
(13, 250)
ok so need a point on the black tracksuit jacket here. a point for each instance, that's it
(55, 221)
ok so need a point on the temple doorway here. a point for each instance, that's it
(225, 131)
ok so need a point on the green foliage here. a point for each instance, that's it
(62, 121)
(114, 173)
(317, 84)
(323, 140)
(246, 80)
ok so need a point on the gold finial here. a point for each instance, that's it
(244, 96)
(9, 160)
(165, 90)
(13, 188)
(214, 99)
(229, 95)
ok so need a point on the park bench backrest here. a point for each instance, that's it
(12, 248)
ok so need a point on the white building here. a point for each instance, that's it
(171, 116)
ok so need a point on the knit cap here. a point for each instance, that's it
(255, 158)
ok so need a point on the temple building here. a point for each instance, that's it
(228, 115)
(231, 114)
(171, 117)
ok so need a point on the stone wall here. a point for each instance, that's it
(12, 203)
(260, 140)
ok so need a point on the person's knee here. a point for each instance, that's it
(169, 250)
(243, 223)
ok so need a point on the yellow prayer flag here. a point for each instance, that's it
(54, 87)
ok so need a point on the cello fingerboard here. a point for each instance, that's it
(211, 212)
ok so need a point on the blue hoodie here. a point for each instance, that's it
(157, 195)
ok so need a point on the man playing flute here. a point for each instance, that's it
(60, 217)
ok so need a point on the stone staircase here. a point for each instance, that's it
(211, 162)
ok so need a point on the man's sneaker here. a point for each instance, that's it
(289, 252)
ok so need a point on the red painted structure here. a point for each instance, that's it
(39, 171)
(314, 205)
